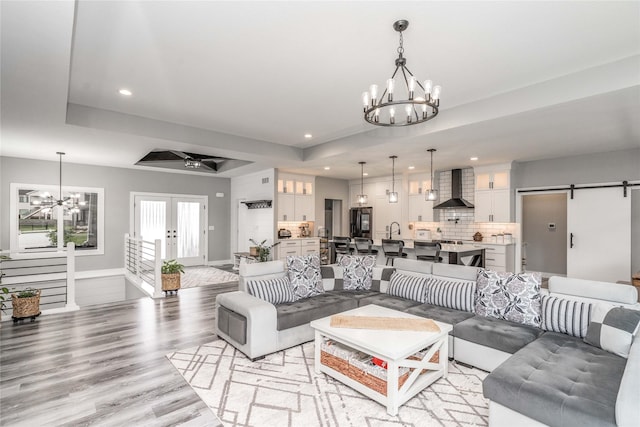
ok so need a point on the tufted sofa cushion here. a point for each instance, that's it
(495, 333)
(389, 301)
(559, 381)
(305, 310)
(441, 314)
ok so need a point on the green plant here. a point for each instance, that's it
(263, 250)
(27, 293)
(172, 267)
(3, 297)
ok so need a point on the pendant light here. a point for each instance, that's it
(362, 198)
(393, 196)
(432, 194)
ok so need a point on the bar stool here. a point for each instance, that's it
(428, 251)
(341, 245)
(363, 246)
(393, 249)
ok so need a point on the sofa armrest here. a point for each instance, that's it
(627, 409)
(261, 322)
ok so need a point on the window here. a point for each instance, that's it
(39, 223)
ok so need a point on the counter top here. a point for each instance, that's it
(297, 238)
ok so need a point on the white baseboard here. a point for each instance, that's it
(219, 262)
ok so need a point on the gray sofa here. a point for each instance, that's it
(537, 377)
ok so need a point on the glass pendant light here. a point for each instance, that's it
(362, 198)
(393, 196)
(432, 194)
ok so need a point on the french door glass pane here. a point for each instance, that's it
(153, 220)
(188, 225)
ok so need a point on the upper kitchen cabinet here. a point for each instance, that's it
(420, 209)
(295, 197)
(493, 193)
(419, 185)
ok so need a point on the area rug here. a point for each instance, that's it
(201, 276)
(283, 390)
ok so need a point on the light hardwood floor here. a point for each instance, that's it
(106, 365)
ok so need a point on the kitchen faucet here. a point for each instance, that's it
(391, 229)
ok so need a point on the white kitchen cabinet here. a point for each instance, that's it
(286, 207)
(493, 193)
(384, 213)
(498, 257)
(297, 247)
(304, 208)
(419, 185)
(295, 197)
(420, 209)
(492, 206)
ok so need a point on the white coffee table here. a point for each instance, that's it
(392, 346)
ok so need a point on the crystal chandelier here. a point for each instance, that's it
(393, 196)
(432, 194)
(362, 198)
(390, 108)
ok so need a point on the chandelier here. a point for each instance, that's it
(432, 194)
(191, 163)
(362, 198)
(390, 108)
(46, 202)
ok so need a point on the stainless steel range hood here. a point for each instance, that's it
(456, 201)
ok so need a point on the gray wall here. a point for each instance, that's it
(586, 169)
(117, 184)
(329, 188)
(546, 248)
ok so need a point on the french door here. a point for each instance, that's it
(179, 222)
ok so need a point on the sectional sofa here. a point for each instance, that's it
(538, 377)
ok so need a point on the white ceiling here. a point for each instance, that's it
(521, 81)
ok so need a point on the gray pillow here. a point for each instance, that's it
(449, 293)
(410, 287)
(612, 328)
(304, 275)
(275, 291)
(565, 316)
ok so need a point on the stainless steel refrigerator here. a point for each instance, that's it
(361, 220)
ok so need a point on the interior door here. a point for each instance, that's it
(599, 235)
(178, 222)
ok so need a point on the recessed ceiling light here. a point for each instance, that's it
(308, 135)
(125, 92)
(365, 174)
(412, 167)
(473, 159)
(327, 168)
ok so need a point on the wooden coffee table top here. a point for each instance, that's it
(390, 344)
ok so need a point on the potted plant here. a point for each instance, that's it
(171, 275)
(4, 292)
(263, 250)
(26, 303)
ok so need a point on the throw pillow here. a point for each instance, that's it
(509, 296)
(331, 277)
(565, 316)
(304, 275)
(612, 328)
(456, 294)
(275, 291)
(381, 278)
(358, 271)
(410, 287)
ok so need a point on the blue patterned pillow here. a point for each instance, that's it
(509, 296)
(410, 287)
(304, 275)
(358, 271)
(275, 291)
